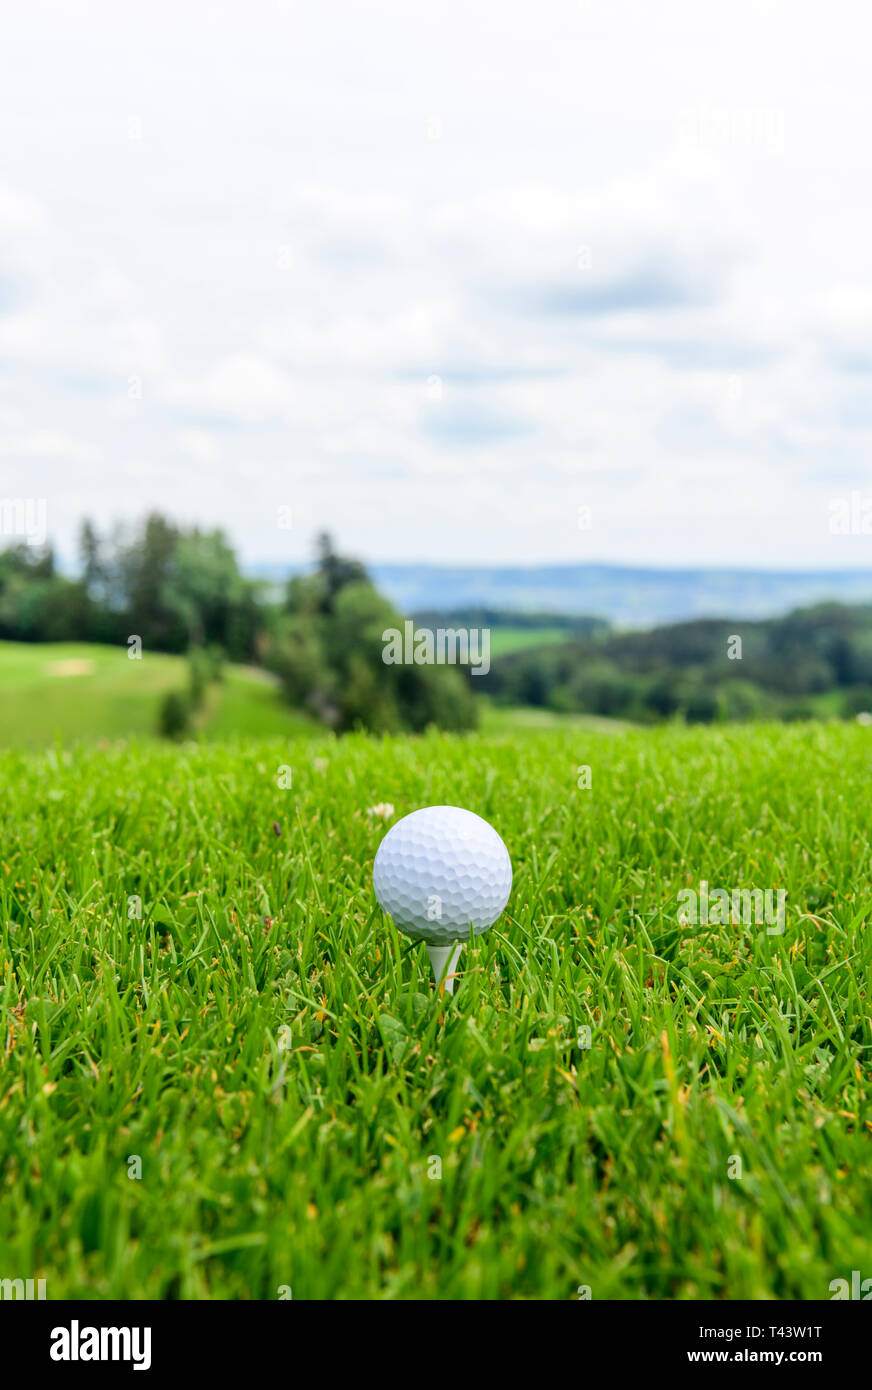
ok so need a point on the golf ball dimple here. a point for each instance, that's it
(441, 871)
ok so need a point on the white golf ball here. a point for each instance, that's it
(441, 871)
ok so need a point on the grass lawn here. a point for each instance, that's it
(254, 1085)
(520, 719)
(514, 639)
(75, 690)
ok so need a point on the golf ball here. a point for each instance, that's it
(441, 871)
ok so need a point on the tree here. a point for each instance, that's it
(327, 648)
(335, 572)
(94, 575)
(147, 570)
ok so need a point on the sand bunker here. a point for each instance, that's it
(74, 666)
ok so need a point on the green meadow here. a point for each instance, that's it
(505, 639)
(226, 1076)
(82, 691)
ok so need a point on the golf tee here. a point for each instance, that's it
(444, 962)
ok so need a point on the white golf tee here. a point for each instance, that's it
(444, 962)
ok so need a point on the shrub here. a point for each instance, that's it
(174, 719)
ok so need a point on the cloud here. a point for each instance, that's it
(245, 389)
(46, 444)
(199, 445)
(493, 273)
(649, 290)
(472, 423)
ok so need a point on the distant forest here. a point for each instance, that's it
(811, 662)
(182, 591)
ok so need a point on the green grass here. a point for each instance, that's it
(515, 639)
(280, 1064)
(829, 704)
(73, 690)
(521, 719)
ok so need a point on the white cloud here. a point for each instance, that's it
(199, 445)
(633, 296)
(46, 444)
(244, 388)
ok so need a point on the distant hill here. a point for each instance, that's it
(815, 662)
(625, 596)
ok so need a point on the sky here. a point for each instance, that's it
(464, 283)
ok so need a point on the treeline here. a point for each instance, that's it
(478, 618)
(813, 660)
(174, 589)
(182, 591)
